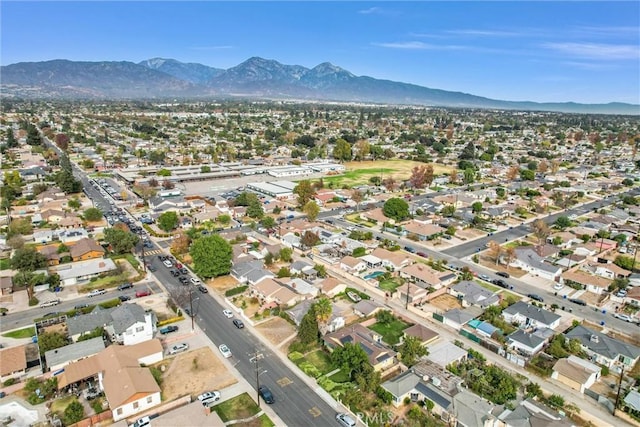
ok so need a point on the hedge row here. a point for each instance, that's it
(170, 320)
(235, 291)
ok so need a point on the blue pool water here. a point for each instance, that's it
(373, 275)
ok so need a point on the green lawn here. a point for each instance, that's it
(321, 360)
(265, 421)
(389, 285)
(340, 377)
(4, 263)
(61, 404)
(21, 333)
(242, 406)
(356, 176)
(391, 332)
(488, 286)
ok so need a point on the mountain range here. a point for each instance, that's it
(256, 77)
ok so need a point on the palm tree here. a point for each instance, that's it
(323, 310)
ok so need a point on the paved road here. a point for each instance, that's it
(297, 404)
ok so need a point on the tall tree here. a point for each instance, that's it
(358, 197)
(211, 256)
(311, 209)
(495, 250)
(396, 208)
(362, 149)
(121, 241)
(541, 230)
(305, 192)
(168, 221)
(323, 311)
(418, 176)
(309, 239)
(412, 350)
(27, 259)
(308, 332)
(342, 150)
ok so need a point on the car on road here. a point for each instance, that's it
(188, 312)
(345, 420)
(52, 314)
(536, 297)
(183, 271)
(577, 301)
(209, 397)
(239, 323)
(195, 281)
(168, 329)
(485, 277)
(143, 293)
(502, 284)
(124, 298)
(624, 317)
(167, 263)
(225, 351)
(621, 293)
(422, 254)
(558, 286)
(503, 274)
(174, 273)
(179, 348)
(50, 303)
(125, 286)
(80, 306)
(410, 249)
(142, 422)
(183, 280)
(96, 292)
(266, 394)
(228, 313)
(203, 289)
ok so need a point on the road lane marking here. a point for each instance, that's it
(285, 381)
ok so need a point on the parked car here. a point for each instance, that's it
(183, 280)
(168, 329)
(410, 249)
(225, 350)
(345, 420)
(577, 301)
(142, 422)
(503, 274)
(266, 394)
(354, 296)
(422, 254)
(239, 324)
(50, 303)
(80, 306)
(125, 286)
(558, 286)
(96, 292)
(536, 297)
(228, 313)
(179, 348)
(195, 281)
(624, 317)
(124, 298)
(485, 277)
(203, 289)
(143, 293)
(167, 263)
(209, 395)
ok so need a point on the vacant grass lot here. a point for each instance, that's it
(21, 333)
(321, 360)
(391, 332)
(389, 285)
(242, 406)
(358, 173)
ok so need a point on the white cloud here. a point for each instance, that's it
(484, 33)
(595, 51)
(417, 45)
(370, 11)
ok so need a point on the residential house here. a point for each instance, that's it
(531, 413)
(50, 252)
(526, 343)
(72, 235)
(70, 222)
(425, 335)
(528, 260)
(335, 322)
(423, 231)
(471, 293)
(470, 410)
(53, 216)
(127, 324)
(381, 358)
(129, 388)
(417, 388)
(6, 285)
(331, 286)
(603, 349)
(13, 362)
(303, 269)
(82, 271)
(376, 216)
(270, 291)
(393, 260)
(457, 318)
(160, 204)
(607, 270)
(352, 265)
(240, 270)
(44, 236)
(565, 239)
(443, 353)
(426, 277)
(367, 308)
(416, 293)
(290, 240)
(592, 283)
(577, 373)
(530, 316)
(632, 401)
(59, 358)
(85, 249)
(301, 287)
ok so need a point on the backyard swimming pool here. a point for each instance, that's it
(373, 275)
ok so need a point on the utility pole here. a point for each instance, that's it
(406, 306)
(256, 357)
(618, 393)
(191, 309)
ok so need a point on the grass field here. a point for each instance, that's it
(320, 360)
(5, 263)
(21, 333)
(391, 332)
(359, 173)
(242, 406)
(388, 285)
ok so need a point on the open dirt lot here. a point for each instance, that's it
(445, 302)
(490, 263)
(193, 373)
(222, 284)
(276, 330)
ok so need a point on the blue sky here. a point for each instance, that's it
(538, 51)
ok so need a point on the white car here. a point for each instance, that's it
(558, 286)
(196, 281)
(624, 317)
(179, 348)
(345, 420)
(96, 292)
(225, 351)
(209, 395)
(228, 313)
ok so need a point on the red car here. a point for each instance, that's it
(143, 293)
(178, 265)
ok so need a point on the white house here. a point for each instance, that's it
(575, 372)
(80, 271)
(526, 343)
(352, 265)
(530, 316)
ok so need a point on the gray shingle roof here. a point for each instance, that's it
(532, 312)
(126, 315)
(605, 345)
